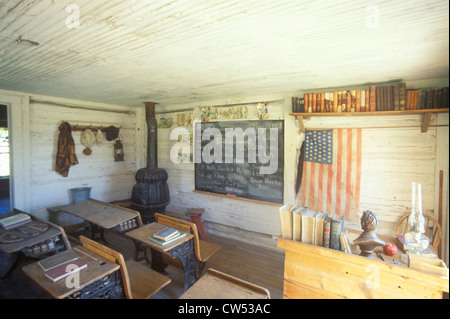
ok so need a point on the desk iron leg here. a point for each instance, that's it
(95, 229)
(138, 248)
(185, 252)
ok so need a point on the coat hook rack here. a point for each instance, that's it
(82, 127)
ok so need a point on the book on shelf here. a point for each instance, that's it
(421, 99)
(57, 260)
(396, 92)
(358, 101)
(15, 220)
(402, 96)
(319, 226)
(165, 242)
(166, 233)
(286, 221)
(337, 225)
(372, 98)
(308, 226)
(326, 231)
(66, 269)
(297, 222)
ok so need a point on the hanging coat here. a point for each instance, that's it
(65, 157)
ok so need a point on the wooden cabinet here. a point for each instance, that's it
(316, 272)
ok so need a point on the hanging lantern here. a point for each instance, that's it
(118, 151)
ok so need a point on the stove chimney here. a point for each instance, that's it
(150, 194)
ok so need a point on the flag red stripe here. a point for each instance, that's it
(348, 181)
(358, 168)
(320, 189)
(329, 187)
(312, 173)
(338, 173)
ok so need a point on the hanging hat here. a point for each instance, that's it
(99, 136)
(88, 138)
(112, 133)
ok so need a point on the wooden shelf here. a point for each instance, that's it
(425, 123)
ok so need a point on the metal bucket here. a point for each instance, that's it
(80, 194)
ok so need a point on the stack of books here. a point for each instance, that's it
(61, 265)
(308, 226)
(166, 235)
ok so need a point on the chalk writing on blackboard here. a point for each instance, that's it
(241, 158)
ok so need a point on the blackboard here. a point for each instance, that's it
(240, 158)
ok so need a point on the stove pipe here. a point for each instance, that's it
(150, 194)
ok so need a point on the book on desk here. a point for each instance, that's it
(166, 235)
(61, 265)
(15, 221)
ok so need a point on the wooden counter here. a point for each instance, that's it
(317, 272)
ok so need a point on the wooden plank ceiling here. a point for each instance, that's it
(182, 51)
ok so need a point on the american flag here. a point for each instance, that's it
(331, 177)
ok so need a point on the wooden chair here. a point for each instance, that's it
(203, 249)
(432, 229)
(139, 281)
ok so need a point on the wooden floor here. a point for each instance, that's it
(256, 264)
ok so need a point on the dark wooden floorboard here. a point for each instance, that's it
(261, 266)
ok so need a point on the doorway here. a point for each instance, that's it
(5, 205)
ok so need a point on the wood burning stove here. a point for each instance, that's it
(150, 194)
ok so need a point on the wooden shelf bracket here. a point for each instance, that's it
(426, 122)
(300, 122)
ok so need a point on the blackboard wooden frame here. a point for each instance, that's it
(242, 181)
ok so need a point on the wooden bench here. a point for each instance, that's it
(203, 249)
(139, 281)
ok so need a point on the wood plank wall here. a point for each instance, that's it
(109, 180)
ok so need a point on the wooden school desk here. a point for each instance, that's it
(182, 248)
(99, 280)
(101, 215)
(215, 284)
(52, 240)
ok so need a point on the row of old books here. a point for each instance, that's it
(394, 97)
(305, 225)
